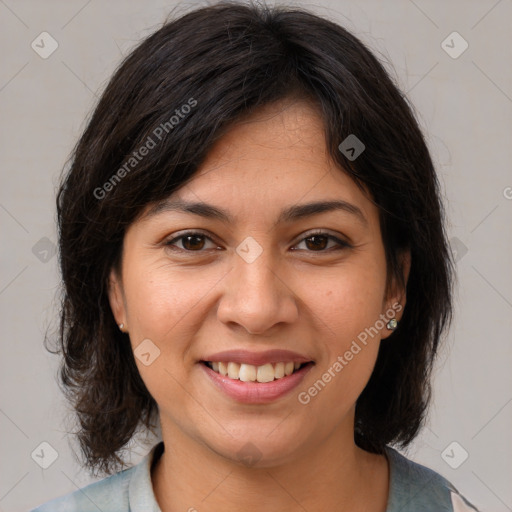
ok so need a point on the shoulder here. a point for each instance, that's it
(107, 495)
(127, 490)
(416, 487)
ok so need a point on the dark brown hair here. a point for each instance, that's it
(225, 61)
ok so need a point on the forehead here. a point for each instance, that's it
(290, 130)
(273, 158)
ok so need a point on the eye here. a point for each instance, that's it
(192, 241)
(195, 241)
(319, 240)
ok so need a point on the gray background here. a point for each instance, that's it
(465, 108)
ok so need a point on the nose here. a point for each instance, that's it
(257, 295)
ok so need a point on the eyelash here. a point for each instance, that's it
(341, 243)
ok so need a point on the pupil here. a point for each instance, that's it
(315, 239)
(186, 242)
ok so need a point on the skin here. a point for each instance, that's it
(311, 300)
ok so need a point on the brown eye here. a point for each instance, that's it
(191, 242)
(318, 242)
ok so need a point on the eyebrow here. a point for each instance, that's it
(287, 215)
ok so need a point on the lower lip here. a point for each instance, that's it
(257, 392)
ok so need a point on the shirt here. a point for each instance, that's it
(412, 487)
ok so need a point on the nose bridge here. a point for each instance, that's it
(259, 272)
(254, 270)
(255, 296)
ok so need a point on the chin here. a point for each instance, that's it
(259, 450)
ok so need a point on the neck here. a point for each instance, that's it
(335, 475)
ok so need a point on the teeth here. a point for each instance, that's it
(279, 370)
(233, 370)
(223, 368)
(251, 373)
(288, 368)
(247, 372)
(265, 373)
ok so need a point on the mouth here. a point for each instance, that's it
(256, 377)
(246, 372)
(256, 385)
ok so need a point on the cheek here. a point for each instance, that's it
(163, 299)
(166, 305)
(347, 314)
(162, 306)
(347, 300)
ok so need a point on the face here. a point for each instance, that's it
(269, 275)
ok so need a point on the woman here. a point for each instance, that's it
(254, 260)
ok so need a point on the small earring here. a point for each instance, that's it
(121, 326)
(392, 324)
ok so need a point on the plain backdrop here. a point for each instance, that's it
(464, 104)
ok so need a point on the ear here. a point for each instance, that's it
(396, 299)
(116, 297)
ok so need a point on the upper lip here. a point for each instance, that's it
(257, 358)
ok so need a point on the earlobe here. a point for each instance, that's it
(116, 298)
(395, 303)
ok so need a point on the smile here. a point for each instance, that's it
(251, 373)
(265, 383)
